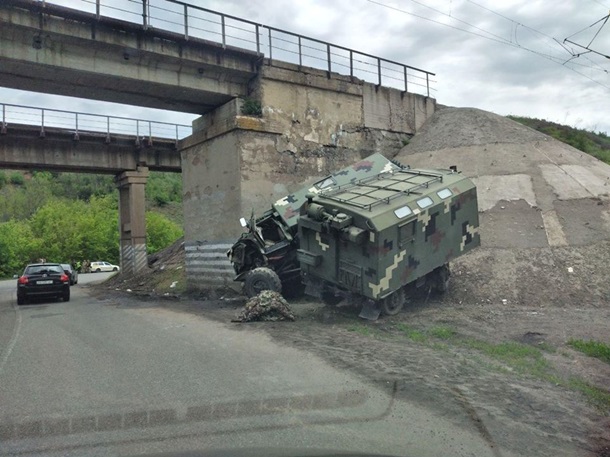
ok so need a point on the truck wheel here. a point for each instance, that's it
(441, 279)
(330, 299)
(393, 303)
(260, 279)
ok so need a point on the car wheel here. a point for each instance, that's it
(20, 300)
(115, 269)
(98, 270)
(260, 279)
(66, 296)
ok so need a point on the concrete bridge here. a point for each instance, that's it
(277, 108)
(49, 139)
(46, 139)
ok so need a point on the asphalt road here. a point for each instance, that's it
(121, 377)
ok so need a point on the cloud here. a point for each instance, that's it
(506, 70)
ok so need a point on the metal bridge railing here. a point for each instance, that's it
(192, 21)
(77, 123)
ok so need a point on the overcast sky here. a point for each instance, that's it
(498, 56)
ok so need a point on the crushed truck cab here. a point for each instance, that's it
(265, 256)
(382, 236)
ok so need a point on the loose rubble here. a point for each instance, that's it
(266, 306)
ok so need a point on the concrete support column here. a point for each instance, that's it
(132, 222)
(211, 175)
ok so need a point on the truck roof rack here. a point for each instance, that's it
(346, 194)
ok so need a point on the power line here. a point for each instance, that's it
(491, 38)
(556, 41)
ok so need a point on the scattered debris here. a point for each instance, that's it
(570, 270)
(173, 284)
(266, 306)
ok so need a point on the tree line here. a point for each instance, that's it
(66, 218)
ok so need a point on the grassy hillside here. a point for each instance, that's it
(596, 144)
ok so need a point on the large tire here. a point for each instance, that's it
(393, 303)
(260, 279)
(330, 299)
(441, 279)
(293, 288)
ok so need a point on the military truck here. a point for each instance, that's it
(381, 237)
(265, 256)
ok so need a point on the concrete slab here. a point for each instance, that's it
(564, 185)
(594, 179)
(584, 221)
(492, 188)
(553, 228)
(512, 224)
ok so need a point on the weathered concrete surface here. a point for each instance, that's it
(310, 126)
(72, 53)
(542, 202)
(23, 148)
(492, 189)
(132, 221)
(312, 110)
(510, 162)
(512, 224)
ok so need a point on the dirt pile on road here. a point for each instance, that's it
(165, 275)
(544, 209)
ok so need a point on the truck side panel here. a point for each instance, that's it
(436, 234)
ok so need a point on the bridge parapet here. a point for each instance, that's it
(40, 138)
(181, 22)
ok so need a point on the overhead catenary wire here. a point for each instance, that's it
(587, 48)
(536, 31)
(492, 37)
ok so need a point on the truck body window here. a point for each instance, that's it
(444, 193)
(424, 202)
(403, 212)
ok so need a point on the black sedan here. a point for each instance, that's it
(43, 280)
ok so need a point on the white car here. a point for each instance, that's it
(96, 267)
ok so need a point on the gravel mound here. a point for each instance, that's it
(457, 127)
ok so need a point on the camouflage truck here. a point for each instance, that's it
(381, 237)
(265, 256)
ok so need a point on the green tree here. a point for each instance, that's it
(160, 232)
(18, 247)
(17, 179)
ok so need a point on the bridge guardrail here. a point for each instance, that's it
(192, 21)
(78, 122)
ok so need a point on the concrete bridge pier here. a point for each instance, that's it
(307, 125)
(132, 222)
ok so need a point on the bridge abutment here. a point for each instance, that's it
(242, 159)
(132, 221)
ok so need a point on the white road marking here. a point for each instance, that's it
(12, 342)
